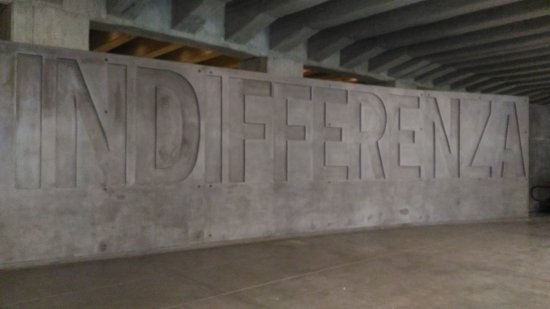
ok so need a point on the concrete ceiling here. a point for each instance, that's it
(492, 46)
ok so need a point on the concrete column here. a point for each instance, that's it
(5, 20)
(539, 146)
(275, 66)
(47, 23)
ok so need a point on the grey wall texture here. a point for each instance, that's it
(539, 148)
(105, 155)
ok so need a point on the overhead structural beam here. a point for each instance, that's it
(516, 75)
(245, 18)
(511, 47)
(527, 68)
(492, 84)
(360, 55)
(468, 81)
(433, 74)
(515, 30)
(423, 42)
(106, 41)
(511, 66)
(191, 15)
(531, 92)
(480, 86)
(290, 31)
(407, 68)
(543, 93)
(494, 49)
(494, 55)
(469, 40)
(525, 88)
(329, 41)
(540, 99)
(459, 76)
(499, 16)
(516, 89)
(504, 84)
(147, 48)
(389, 59)
(168, 48)
(443, 72)
(534, 83)
(475, 81)
(126, 8)
(398, 56)
(526, 76)
(501, 88)
(510, 70)
(502, 59)
(190, 55)
(414, 74)
(222, 61)
(500, 79)
(444, 80)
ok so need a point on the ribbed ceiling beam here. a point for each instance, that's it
(499, 16)
(503, 88)
(191, 15)
(527, 68)
(245, 18)
(495, 48)
(482, 81)
(469, 40)
(478, 45)
(407, 68)
(126, 8)
(531, 92)
(290, 31)
(512, 64)
(327, 42)
(433, 74)
(518, 48)
(420, 71)
(107, 41)
(542, 98)
(500, 80)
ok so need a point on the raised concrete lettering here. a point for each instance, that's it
(146, 154)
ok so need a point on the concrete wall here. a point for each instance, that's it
(539, 147)
(5, 20)
(48, 23)
(105, 155)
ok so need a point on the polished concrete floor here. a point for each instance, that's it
(491, 265)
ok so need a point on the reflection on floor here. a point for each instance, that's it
(491, 265)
